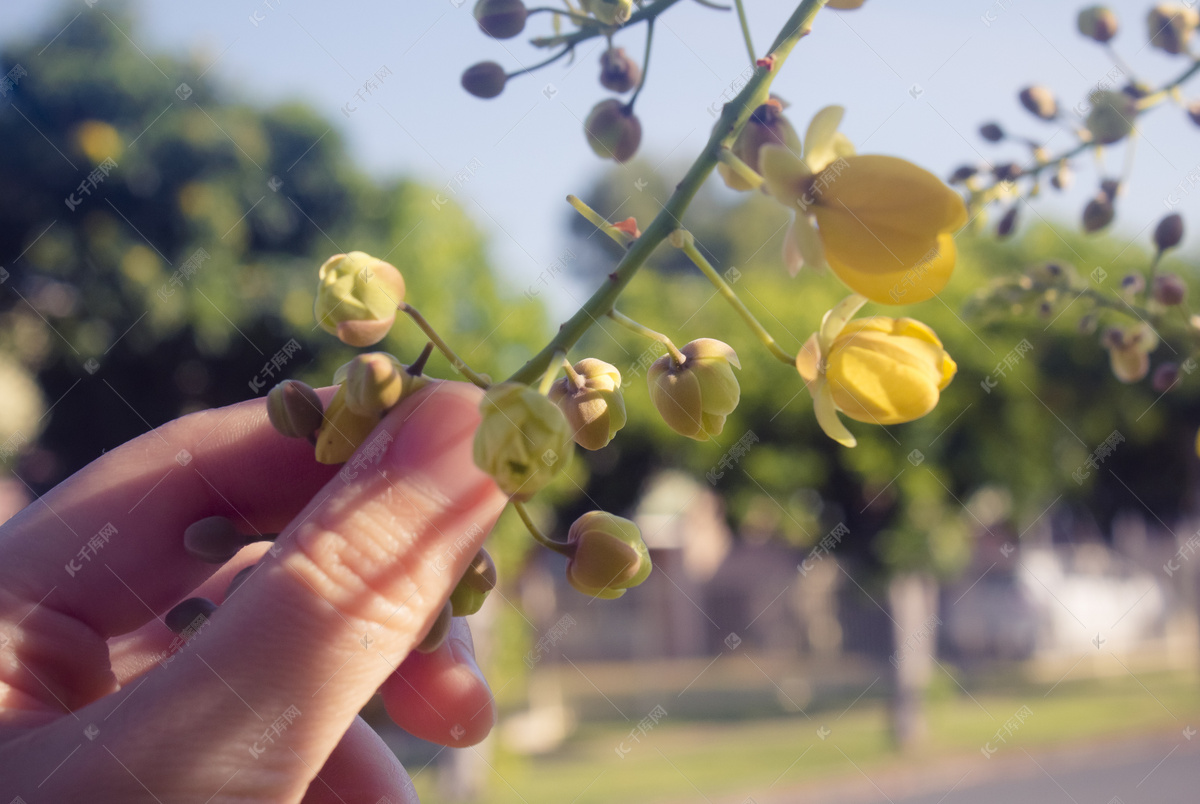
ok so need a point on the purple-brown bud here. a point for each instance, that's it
(501, 19)
(613, 131)
(1169, 232)
(1169, 290)
(618, 72)
(485, 79)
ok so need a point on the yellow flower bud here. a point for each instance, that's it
(608, 555)
(357, 297)
(878, 370)
(1171, 26)
(1098, 23)
(1129, 350)
(376, 382)
(694, 398)
(473, 587)
(610, 12)
(523, 439)
(343, 430)
(592, 404)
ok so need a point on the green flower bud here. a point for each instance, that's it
(294, 409)
(473, 587)
(501, 19)
(991, 132)
(766, 126)
(357, 297)
(1169, 232)
(437, 632)
(694, 398)
(342, 430)
(1169, 290)
(214, 539)
(376, 382)
(1098, 23)
(485, 79)
(1171, 26)
(1040, 102)
(613, 131)
(618, 72)
(593, 406)
(608, 555)
(610, 12)
(1112, 115)
(523, 439)
(1098, 213)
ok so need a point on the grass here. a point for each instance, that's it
(685, 759)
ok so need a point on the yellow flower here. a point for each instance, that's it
(878, 370)
(1129, 350)
(610, 12)
(357, 297)
(882, 224)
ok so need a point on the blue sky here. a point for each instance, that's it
(917, 78)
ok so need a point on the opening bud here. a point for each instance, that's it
(523, 439)
(766, 126)
(1129, 350)
(485, 79)
(1171, 25)
(376, 382)
(501, 19)
(294, 409)
(1098, 23)
(357, 296)
(613, 131)
(1040, 102)
(694, 398)
(610, 12)
(343, 430)
(473, 587)
(618, 72)
(608, 555)
(1169, 232)
(1169, 290)
(591, 401)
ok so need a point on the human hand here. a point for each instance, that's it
(261, 703)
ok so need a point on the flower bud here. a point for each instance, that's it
(1165, 377)
(1040, 102)
(343, 430)
(618, 72)
(1112, 115)
(766, 126)
(523, 439)
(613, 131)
(610, 12)
(608, 555)
(294, 409)
(1169, 232)
(962, 173)
(1007, 223)
(1007, 171)
(1129, 350)
(376, 382)
(485, 79)
(214, 539)
(1171, 26)
(1109, 188)
(1133, 284)
(501, 19)
(1097, 214)
(473, 587)
(1061, 180)
(1098, 23)
(1169, 290)
(694, 398)
(1193, 111)
(357, 296)
(991, 132)
(593, 406)
(437, 632)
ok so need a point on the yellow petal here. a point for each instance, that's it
(885, 379)
(827, 415)
(808, 360)
(784, 174)
(835, 320)
(818, 140)
(808, 243)
(917, 283)
(793, 259)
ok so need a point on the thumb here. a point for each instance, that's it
(357, 578)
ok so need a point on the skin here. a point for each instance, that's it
(100, 703)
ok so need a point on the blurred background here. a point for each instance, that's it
(998, 600)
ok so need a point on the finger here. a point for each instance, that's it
(361, 768)
(302, 646)
(134, 503)
(442, 696)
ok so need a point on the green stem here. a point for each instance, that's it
(540, 64)
(597, 28)
(1153, 270)
(538, 536)
(576, 18)
(641, 329)
(1155, 98)
(599, 221)
(442, 346)
(551, 375)
(747, 173)
(576, 378)
(733, 117)
(689, 248)
(741, 10)
(645, 64)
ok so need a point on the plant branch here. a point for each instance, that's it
(442, 346)
(538, 536)
(741, 10)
